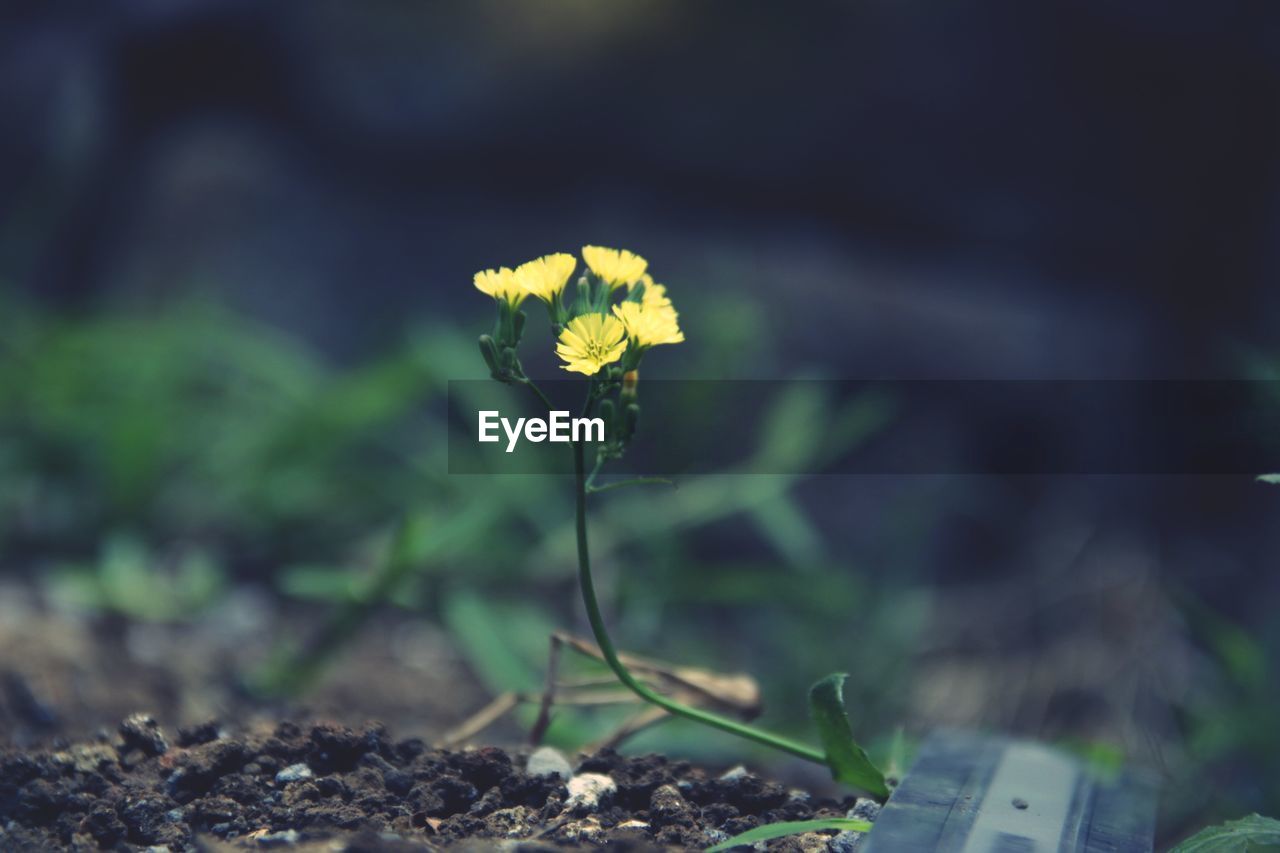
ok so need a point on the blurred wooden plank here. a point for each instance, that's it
(969, 793)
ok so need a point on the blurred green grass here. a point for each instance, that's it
(128, 436)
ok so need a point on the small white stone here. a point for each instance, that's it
(587, 830)
(293, 773)
(864, 808)
(280, 839)
(587, 790)
(734, 773)
(845, 842)
(547, 761)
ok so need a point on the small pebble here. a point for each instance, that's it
(548, 761)
(715, 836)
(293, 773)
(587, 790)
(849, 841)
(864, 808)
(1019, 803)
(734, 773)
(845, 842)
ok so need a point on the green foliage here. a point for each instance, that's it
(193, 419)
(1233, 724)
(846, 758)
(771, 831)
(505, 642)
(129, 580)
(290, 671)
(1252, 834)
(190, 424)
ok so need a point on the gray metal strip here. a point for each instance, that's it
(972, 794)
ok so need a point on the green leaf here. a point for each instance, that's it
(770, 831)
(1274, 479)
(1252, 834)
(503, 641)
(848, 761)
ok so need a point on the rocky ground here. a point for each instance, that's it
(327, 787)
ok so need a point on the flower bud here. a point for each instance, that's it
(489, 351)
(630, 417)
(608, 411)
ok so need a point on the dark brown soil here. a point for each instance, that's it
(296, 787)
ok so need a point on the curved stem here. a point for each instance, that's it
(529, 383)
(624, 675)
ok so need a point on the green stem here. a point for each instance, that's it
(624, 675)
(529, 383)
(591, 478)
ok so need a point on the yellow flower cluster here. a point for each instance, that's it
(594, 332)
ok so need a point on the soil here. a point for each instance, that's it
(70, 673)
(81, 769)
(328, 787)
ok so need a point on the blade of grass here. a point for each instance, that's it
(771, 831)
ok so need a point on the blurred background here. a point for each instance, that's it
(236, 248)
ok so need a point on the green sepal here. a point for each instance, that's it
(632, 357)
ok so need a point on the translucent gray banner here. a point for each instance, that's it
(878, 427)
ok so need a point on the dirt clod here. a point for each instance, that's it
(141, 732)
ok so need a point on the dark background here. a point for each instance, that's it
(872, 189)
(1076, 189)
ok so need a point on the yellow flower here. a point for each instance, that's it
(649, 326)
(655, 295)
(616, 266)
(501, 284)
(546, 276)
(591, 341)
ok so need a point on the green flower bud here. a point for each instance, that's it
(607, 413)
(630, 417)
(489, 351)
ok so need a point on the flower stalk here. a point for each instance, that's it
(601, 633)
(605, 341)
